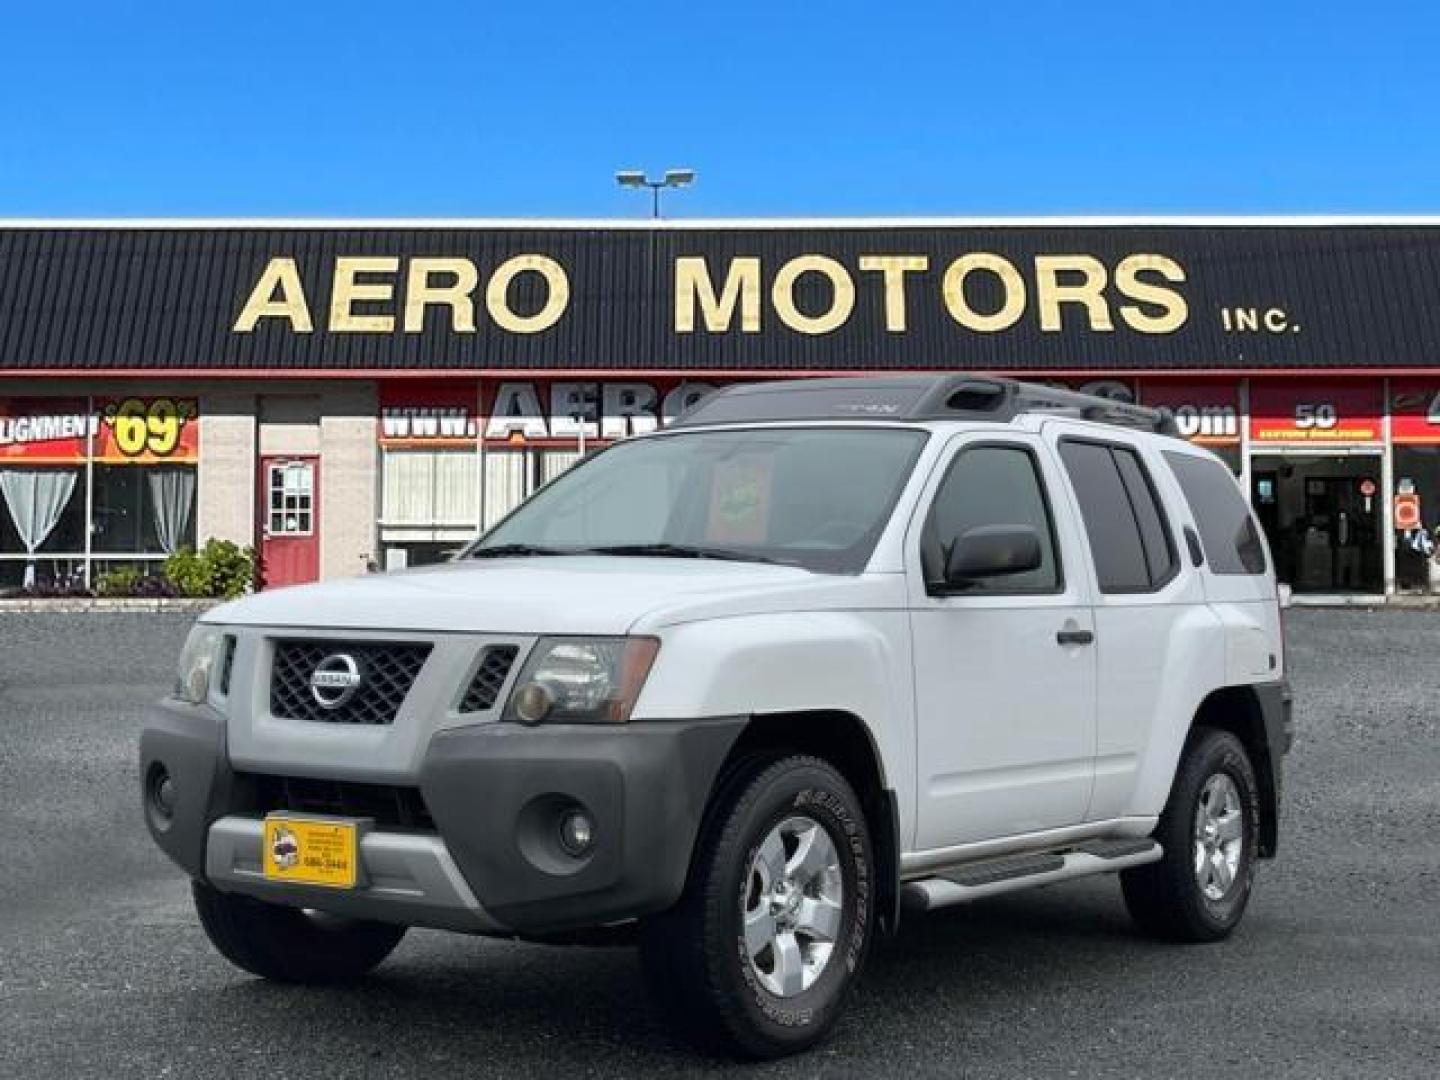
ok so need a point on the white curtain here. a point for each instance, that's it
(555, 462)
(505, 486)
(430, 488)
(36, 498)
(172, 494)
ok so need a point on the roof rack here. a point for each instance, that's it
(913, 397)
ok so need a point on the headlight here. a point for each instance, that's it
(192, 680)
(581, 680)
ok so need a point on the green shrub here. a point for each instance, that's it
(189, 571)
(220, 569)
(133, 582)
(122, 581)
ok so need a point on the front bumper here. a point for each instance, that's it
(409, 878)
(495, 792)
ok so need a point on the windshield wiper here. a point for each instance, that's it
(682, 551)
(504, 551)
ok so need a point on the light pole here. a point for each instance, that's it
(673, 178)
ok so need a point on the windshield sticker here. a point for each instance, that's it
(740, 501)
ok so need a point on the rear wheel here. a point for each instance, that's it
(290, 945)
(758, 956)
(1209, 830)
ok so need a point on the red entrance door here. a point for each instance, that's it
(289, 516)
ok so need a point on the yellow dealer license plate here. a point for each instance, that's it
(305, 850)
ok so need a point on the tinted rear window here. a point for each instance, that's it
(1128, 538)
(1154, 536)
(1227, 530)
(1115, 543)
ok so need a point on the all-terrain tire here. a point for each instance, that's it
(696, 959)
(290, 945)
(1169, 898)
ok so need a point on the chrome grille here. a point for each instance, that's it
(387, 672)
(490, 676)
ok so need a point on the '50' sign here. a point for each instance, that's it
(1319, 416)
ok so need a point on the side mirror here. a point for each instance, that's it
(992, 551)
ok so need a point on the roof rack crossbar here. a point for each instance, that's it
(1032, 398)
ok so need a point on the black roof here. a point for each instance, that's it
(140, 298)
(912, 397)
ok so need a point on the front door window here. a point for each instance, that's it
(291, 503)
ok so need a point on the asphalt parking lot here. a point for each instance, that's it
(1335, 972)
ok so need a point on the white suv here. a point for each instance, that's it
(747, 688)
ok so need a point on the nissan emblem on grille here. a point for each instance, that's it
(335, 680)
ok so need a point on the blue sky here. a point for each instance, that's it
(317, 108)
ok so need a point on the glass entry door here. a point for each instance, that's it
(1321, 515)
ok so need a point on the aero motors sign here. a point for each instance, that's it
(810, 293)
(1316, 412)
(447, 414)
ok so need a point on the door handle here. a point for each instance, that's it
(1075, 637)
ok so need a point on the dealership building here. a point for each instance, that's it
(345, 395)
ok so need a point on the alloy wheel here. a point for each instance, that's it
(793, 906)
(1219, 836)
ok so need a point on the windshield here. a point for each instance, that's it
(812, 497)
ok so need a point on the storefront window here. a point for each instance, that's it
(44, 514)
(458, 455)
(1417, 519)
(46, 509)
(509, 479)
(555, 463)
(143, 509)
(84, 480)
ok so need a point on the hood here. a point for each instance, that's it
(540, 595)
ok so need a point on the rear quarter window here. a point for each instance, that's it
(1228, 534)
(1124, 522)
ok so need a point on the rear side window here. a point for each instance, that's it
(1124, 521)
(1227, 530)
(1154, 537)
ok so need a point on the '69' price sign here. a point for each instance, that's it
(138, 430)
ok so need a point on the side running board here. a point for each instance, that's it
(991, 877)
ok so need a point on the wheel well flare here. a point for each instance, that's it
(1237, 709)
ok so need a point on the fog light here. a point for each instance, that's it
(533, 703)
(162, 792)
(577, 833)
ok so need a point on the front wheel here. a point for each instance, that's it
(290, 945)
(759, 954)
(1210, 830)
